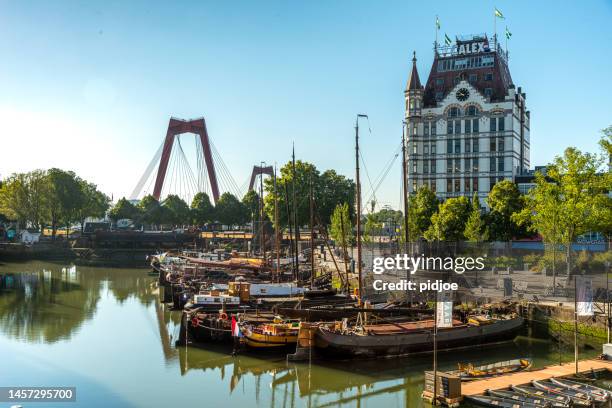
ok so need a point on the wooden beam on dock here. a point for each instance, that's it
(478, 387)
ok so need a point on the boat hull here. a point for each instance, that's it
(335, 344)
(258, 340)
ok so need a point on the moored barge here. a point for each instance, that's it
(397, 339)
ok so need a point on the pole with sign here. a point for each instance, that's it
(583, 306)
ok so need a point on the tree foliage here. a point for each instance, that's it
(150, 211)
(504, 200)
(475, 228)
(251, 204)
(230, 211)
(575, 194)
(448, 223)
(176, 211)
(341, 228)
(50, 197)
(123, 209)
(329, 190)
(93, 204)
(421, 208)
(202, 210)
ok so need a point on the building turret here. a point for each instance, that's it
(414, 92)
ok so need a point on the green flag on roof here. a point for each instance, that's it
(437, 23)
(499, 14)
(447, 39)
(508, 33)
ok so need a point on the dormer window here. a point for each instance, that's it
(488, 92)
(488, 76)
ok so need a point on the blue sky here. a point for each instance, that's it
(90, 86)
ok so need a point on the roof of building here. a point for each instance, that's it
(471, 59)
(414, 83)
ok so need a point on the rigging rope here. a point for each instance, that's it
(381, 178)
(147, 173)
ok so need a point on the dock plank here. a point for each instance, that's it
(480, 386)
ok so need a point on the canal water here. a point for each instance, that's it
(104, 332)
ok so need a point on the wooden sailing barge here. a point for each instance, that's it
(411, 337)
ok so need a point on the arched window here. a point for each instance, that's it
(471, 111)
(453, 112)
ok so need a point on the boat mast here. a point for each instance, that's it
(276, 227)
(345, 253)
(295, 218)
(358, 204)
(290, 228)
(261, 214)
(312, 262)
(405, 187)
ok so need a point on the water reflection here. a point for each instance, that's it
(44, 302)
(53, 315)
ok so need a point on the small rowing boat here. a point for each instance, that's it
(578, 397)
(557, 400)
(468, 372)
(522, 398)
(598, 394)
(487, 401)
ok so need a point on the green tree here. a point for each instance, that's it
(178, 212)
(150, 211)
(329, 190)
(251, 204)
(542, 214)
(606, 147)
(202, 210)
(24, 198)
(421, 208)
(582, 196)
(230, 211)
(65, 198)
(124, 209)
(448, 223)
(341, 229)
(371, 229)
(504, 200)
(475, 228)
(94, 203)
(284, 183)
(606, 143)
(388, 215)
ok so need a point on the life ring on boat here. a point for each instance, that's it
(195, 322)
(223, 316)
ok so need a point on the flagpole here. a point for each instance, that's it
(506, 46)
(494, 30)
(436, 43)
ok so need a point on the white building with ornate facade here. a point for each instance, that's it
(468, 127)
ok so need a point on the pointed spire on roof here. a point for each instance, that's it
(414, 82)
